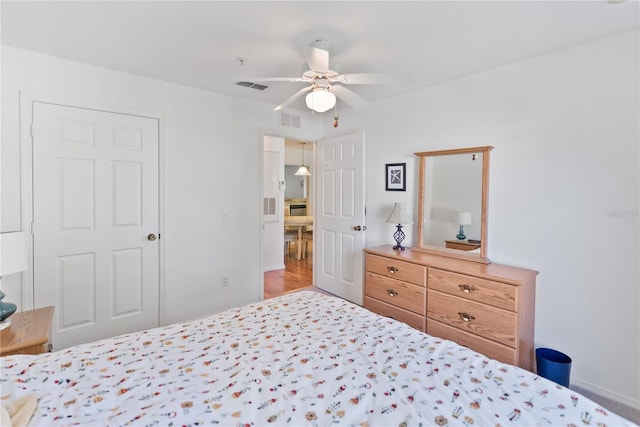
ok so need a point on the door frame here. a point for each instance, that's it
(27, 98)
(280, 133)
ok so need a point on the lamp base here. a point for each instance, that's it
(399, 237)
(6, 308)
(461, 235)
(5, 324)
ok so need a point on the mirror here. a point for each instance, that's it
(452, 202)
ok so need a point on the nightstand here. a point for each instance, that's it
(29, 332)
(462, 245)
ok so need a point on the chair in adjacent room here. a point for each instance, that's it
(307, 239)
(289, 237)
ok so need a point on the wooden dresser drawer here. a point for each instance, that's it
(473, 288)
(388, 310)
(486, 321)
(489, 348)
(401, 294)
(399, 270)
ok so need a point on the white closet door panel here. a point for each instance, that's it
(77, 279)
(127, 281)
(127, 194)
(77, 194)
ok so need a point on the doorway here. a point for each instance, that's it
(288, 235)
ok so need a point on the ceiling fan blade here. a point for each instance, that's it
(318, 59)
(293, 97)
(349, 97)
(269, 79)
(371, 78)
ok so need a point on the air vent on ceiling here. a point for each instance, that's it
(290, 120)
(256, 86)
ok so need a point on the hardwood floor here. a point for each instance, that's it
(297, 274)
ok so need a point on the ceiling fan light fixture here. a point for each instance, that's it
(320, 100)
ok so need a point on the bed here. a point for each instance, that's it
(300, 359)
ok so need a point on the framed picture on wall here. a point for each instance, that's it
(395, 174)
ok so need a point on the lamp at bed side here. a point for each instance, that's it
(13, 259)
(399, 216)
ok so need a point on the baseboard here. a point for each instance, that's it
(612, 395)
(276, 267)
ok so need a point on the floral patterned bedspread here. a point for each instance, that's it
(303, 359)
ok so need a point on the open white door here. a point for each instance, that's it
(95, 221)
(339, 224)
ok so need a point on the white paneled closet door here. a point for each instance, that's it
(95, 221)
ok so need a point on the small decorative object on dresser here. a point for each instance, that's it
(399, 216)
(13, 259)
(486, 307)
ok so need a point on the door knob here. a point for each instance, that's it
(151, 237)
(358, 228)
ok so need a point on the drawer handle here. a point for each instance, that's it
(466, 316)
(392, 293)
(467, 289)
(392, 270)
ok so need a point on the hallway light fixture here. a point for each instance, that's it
(302, 170)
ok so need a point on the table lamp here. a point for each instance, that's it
(399, 216)
(464, 218)
(13, 259)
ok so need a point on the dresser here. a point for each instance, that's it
(486, 307)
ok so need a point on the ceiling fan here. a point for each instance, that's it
(325, 85)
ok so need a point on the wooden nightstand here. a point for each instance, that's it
(462, 245)
(29, 332)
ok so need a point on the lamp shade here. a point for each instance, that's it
(13, 252)
(320, 100)
(399, 214)
(302, 171)
(464, 218)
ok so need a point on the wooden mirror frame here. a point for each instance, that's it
(482, 258)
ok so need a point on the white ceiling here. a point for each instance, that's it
(198, 43)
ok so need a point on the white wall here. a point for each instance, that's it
(564, 189)
(206, 138)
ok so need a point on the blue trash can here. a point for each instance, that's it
(553, 365)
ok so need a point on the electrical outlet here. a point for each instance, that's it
(224, 281)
